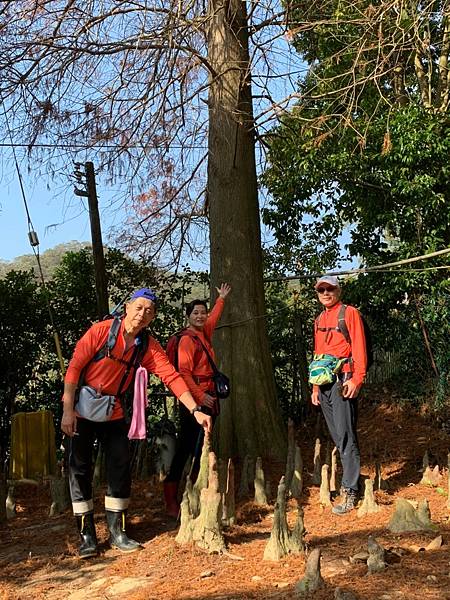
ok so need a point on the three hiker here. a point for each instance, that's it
(338, 373)
(100, 370)
(99, 373)
(194, 345)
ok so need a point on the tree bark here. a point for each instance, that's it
(333, 471)
(426, 337)
(250, 422)
(289, 472)
(317, 476)
(375, 562)
(11, 501)
(247, 476)
(260, 489)
(207, 527)
(324, 493)
(3, 495)
(448, 480)
(278, 545)
(407, 518)
(60, 494)
(184, 535)
(202, 478)
(297, 478)
(312, 579)
(369, 504)
(229, 502)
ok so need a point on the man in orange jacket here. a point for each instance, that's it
(338, 400)
(110, 375)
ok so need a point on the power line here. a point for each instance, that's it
(34, 242)
(104, 146)
(374, 268)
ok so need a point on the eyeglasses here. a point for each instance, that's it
(322, 290)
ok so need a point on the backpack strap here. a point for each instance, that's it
(317, 324)
(211, 362)
(131, 364)
(107, 347)
(179, 335)
(342, 325)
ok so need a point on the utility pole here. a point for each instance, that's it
(90, 191)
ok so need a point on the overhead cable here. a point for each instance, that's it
(370, 269)
(34, 242)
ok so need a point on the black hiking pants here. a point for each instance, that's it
(341, 417)
(113, 436)
(190, 442)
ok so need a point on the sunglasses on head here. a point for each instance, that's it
(322, 290)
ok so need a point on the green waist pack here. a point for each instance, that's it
(324, 369)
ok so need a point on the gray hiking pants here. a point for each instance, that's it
(341, 417)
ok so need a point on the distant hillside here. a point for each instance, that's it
(50, 259)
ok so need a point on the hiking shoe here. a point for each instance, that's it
(349, 501)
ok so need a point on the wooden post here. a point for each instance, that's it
(101, 289)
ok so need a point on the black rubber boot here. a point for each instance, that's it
(117, 535)
(86, 528)
(349, 502)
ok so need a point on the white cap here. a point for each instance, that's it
(330, 279)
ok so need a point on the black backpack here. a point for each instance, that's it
(173, 343)
(342, 328)
(221, 381)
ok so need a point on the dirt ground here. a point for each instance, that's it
(38, 553)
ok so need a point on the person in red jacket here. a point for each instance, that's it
(196, 370)
(338, 400)
(111, 375)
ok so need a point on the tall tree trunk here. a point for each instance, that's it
(250, 422)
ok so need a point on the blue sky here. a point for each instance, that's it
(58, 216)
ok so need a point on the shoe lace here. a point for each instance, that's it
(349, 499)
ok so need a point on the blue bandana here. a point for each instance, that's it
(144, 293)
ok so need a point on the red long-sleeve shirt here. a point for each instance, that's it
(107, 373)
(334, 342)
(193, 363)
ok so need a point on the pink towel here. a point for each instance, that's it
(138, 429)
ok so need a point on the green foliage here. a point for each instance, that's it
(291, 309)
(22, 307)
(22, 334)
(364, 154)
(396, 201)
(72, 296)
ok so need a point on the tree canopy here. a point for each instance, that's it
(364, 154)
(367, 144)
(130, 85)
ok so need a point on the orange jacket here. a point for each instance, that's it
(106, 374)
(193, 363)
(334, 342)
